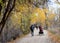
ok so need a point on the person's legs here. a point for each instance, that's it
(39, 32)
(32, 33)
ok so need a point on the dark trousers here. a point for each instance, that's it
(32, 32)
(41, 32)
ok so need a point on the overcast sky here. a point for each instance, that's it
(53, 5)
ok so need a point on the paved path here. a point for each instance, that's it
(35, 39)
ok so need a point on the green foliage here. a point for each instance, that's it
(0, 1)
(2, 4)
(53, 32)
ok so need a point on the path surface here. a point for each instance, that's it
(35, 39)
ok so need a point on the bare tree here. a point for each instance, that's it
(7, 11)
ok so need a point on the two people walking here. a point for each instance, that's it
(32, 27)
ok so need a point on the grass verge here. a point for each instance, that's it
(54, 37)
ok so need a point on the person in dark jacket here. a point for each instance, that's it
(40, 30)
(32, 29)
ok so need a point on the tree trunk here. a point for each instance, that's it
(9, 8)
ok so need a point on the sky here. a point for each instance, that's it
(53, 5)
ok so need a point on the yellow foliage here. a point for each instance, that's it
(16, 18)
(33, 18)
(40, 16)
(46, 10)
(51, 16)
